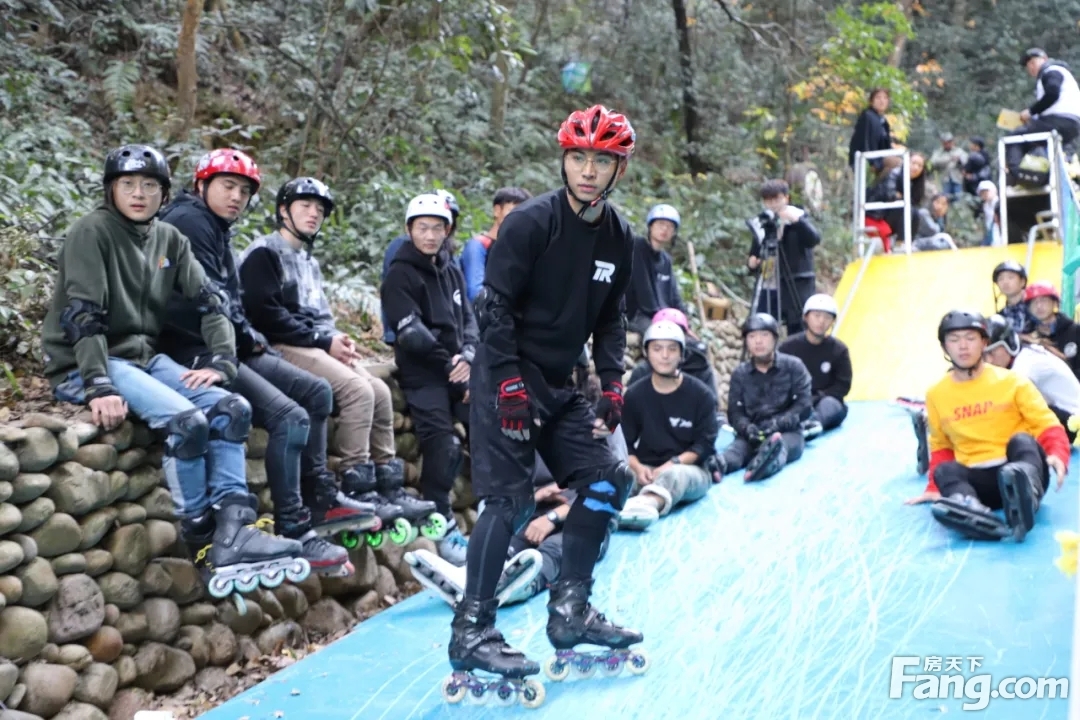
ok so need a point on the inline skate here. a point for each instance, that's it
(421, 514)
(360, 485)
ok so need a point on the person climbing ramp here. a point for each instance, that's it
(993, 439)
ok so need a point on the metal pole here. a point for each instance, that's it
(907, 201)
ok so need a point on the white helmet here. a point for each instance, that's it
(664, 330)
(821, 302)
(429, 205)
(664, 212)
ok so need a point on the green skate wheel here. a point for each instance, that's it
(220, 587)
(376, 539)
(434, 528)
(349, 539)
(414, 532)
(532, 694)
(556, 669)
(399, 534)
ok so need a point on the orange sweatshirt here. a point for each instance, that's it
(971, 422)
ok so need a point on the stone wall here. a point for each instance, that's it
(101, 608)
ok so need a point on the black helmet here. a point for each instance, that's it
(300, 188)
(1010, 266)
(961, 320)
(760, 321)
(1031, 53)
(137, 160)
(1000, 332)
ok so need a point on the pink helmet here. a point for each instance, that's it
(674, 315)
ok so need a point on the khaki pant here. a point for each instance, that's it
(365, 426)
(681, 484)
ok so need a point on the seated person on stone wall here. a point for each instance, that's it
(993, 440)
(828, 361)
(98, 338)
(284, 300)
(291, 404)
(424, 299)
(769, 399)
(1049, 328)
(1010, 279)
(695, 361)
(1050, 375)
(654, 285)
(669, 422)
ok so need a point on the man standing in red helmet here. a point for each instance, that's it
(557, 275)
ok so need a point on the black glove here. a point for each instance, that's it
(514, 409)
(609, 409)
(753, 432)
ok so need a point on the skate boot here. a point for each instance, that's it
(360, 485)
(572, 620)
(242, 557)
(198, 536)
(922, 454)
(453, 547)
(637, 514)
(1021, 494)
(445, 580)
(475, 644)
(811, 428)
(520, 579)
(420, 513)
(325, 558)
(770, 459)
(334, 513)
(969, 517)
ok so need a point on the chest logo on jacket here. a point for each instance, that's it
(826, 366)
(680, 423)
(457, 297)
(604, 271)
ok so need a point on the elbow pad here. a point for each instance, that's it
(414, 337)
(83, 319)
(491, 307)
(212, 300)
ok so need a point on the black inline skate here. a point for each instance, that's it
(359, 484)
(325, 558)
(475, 644)
(422, 514)
(572, 620)
(335, 513)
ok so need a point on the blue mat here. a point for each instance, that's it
(787, 599)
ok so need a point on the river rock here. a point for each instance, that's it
(117, 483)
(141, 481)
(129, 513)
(10, 518)
(77, 489)
(77, 609)
(286, 634)
(130, 548)
(105, 644)
(35, 513)
(256, 474)
(155, 581)
(85, 431)
(245, 624)
(29, 486)
(38, 451)
(213, 680)
(80, 711)
(385, 585)
(98, 562)
(187, 586)
(192, 640)
(76, 657)
(69, 564)
(222, 643)
(163, 617)
(9, 675)
(158, 504)
(58, 535)
(97, 685)
(9, 463)
(16, 697)
(311, 586)
(12, 436)
(293, 602)
(48, 688)
(366, 605)
(125, 669)
(133, 627)
(120, 589)
(52, 423)
(129, 701)
(6, 491)
(39, 582)
(112, 614)
(198, 614)
(160, 534)
(257, 441)
(29, 547)
(270, 606)
(327, 617)
(11, 554)
(11, 588)
(143, 436)
(130, 459)
(162, 668)
(93, 526)
(121, 438)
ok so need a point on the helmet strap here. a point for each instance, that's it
(308, 240)
(590, 212)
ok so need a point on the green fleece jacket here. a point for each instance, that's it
(128, 271)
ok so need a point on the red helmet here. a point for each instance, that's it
(1041, 289)
(230, 162)
(598, 129)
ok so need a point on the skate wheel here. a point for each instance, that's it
(240, 604)
(435, 527)
(532, 694)
(478, 694)
(273, 579)
(376, 539)
(612, 667)
(505, 694)
(585, 668)
(556, 669)
(220, 587)
(298, 571)
(401, 532)
(349, 540)
(453, 692)
(414, 532)
(638, 663)
(247, 583)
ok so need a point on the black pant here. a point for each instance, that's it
(982, 482)
(1068, 128)
(293, 406)
(433, 410)
(739, 453)
(830, 412)
(785, 304)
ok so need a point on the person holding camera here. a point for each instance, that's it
(782, 254)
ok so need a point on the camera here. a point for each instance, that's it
(765, 229)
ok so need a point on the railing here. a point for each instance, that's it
(854, 288)
(1053, 148)
(862, 239)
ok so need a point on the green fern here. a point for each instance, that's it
(119, 82)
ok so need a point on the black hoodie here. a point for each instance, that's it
(434, 293)
(209, 235)
(653, 286)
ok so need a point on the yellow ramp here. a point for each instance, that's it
(890, 324)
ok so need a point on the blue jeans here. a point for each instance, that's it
(155, 394)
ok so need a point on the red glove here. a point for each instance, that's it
(609, 409)
(514, 409)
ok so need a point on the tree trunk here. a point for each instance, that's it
(900, 42)
(691, 121)
(186, 70)
(499, 94)
(959, 13)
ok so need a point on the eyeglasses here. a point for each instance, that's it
(600, 161)
(149, 187)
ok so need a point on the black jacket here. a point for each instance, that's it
(695, 364)
(796, 247)
(653, 286)
(775, 400)
(209, 235)
(828, 362)
(434, 293)
(871, 132)
(1065, 335)
(560, 280)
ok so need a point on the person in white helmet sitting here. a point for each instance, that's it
(653, 285)
(827, 359)
(670, 427)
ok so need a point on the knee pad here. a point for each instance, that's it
(610, 490)
(188, 435)
(230, 419)
(296, 425)
(514, 509)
